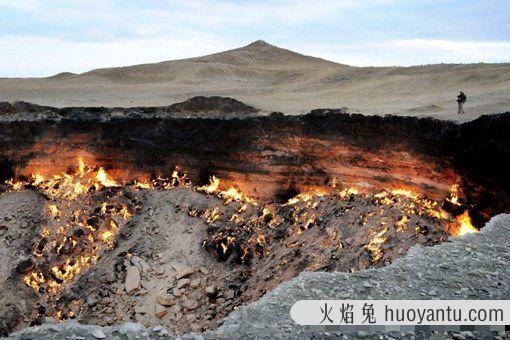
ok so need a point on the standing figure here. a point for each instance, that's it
(461, 99)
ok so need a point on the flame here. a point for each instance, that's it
(454, 195)
(212, 215)
(81, 227)
(465, 226)
(14, 184)
(37, 179)
(54, 211)
(306, 197)
(402, 223)
(125, 213)
(107, 236)
(102, 177)
(76, 254)
(223, 247)
(231, 194)
(212, 186)
(347, 192)
(374, 246)
(81, 167)
(404, 192)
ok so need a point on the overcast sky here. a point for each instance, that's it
(42, 37)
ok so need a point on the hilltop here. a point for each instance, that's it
(276, 79)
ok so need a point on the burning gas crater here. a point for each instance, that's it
(247, 235)
(267, 242)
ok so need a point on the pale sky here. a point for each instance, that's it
(42, 38)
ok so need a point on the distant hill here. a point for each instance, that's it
(276, 79)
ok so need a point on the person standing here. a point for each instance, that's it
(461, 99)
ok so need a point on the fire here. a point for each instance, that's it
(231, 194)
(54, 211)
(306, 197)
(404, 192)
(37, 179)
(464, 224)
(15, 185)
(107, 236)
(102, 178)
(84, 222)
(347, 192)
(86, 219)
(125, 213)
(402, 223)
(212, 187)
(143, 185)
(454, 195)
(81, 167)
(374, 246)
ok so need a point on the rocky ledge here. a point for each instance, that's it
(196, 107)
(474, 266)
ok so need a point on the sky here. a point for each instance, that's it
(41, 38)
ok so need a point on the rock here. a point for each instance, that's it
(98, 334)
(111, 277)
(160, 311)
(190, 304)
(139, 317)
(25, 266)
(183, 283)
(165, 300)
(191, 317)
(195, 283)
(362, 334)
(160, 271)
(226, 305)
(130, 328)
(467, 334)
(184, 272)
(204, 270)
(140, 264)
(229, 294)
(132, 280)
(177, 292)
(92, 300)
(210, 290)
(109, 320)
(140, 309)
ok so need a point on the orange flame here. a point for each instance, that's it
(465, 226)
(102, 177)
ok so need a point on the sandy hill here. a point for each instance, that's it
(276, 79)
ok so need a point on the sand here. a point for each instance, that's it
(275, 79)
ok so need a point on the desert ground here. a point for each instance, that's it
(275, 79)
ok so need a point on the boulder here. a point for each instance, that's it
(132, 280)
(166, 300)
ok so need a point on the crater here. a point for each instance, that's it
(154, 216)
